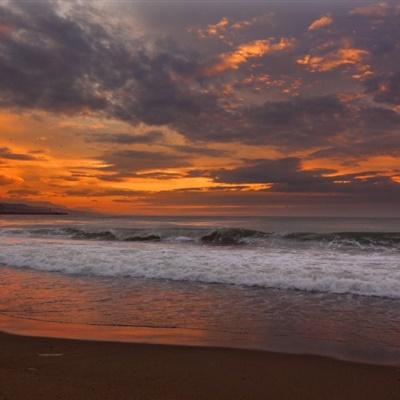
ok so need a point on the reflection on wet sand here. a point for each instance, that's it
(197, 314)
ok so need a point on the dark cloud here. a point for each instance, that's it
(23, 193)
(230, 188)
(380, 188)
(125, 138)
(352, 152)
(377, 27)
(160, 175)
(77, 61)
(196, 173)
(6, 153)
(127, 162)
(205, 151)
(384, 88)
(287, 176)
(354, 200)
(371, 131)
(355, 39)
(297, 123)
(90, 192)
(284, 171)
(46, 59)
(124, 175)
(71, 63)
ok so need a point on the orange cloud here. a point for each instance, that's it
(349, 97)
(213, 30)
(319, 23)
(346, 56)
(257, 83)
(8, 180)
(225, 25)
(380, 10)
(242, 53)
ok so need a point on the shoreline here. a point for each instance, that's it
(197, 338)
(44, 367)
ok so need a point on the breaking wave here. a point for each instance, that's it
(220, 237)
(362, 263)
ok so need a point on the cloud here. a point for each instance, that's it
(125, 138)
(78, 60)
(321, 22)
(311, 124)
(245, 52)
(380, 9)
(287, 176)
(214, 30)
(205, 151)
(372, 131)
(355, 42)
(166, 175)
(283, 171)
(297, 123)
(226, 28)
(74, 61)
(338, 199)
(7, 180)
(384, 88)
(103, 192)
(343, 57)
(128, 162)
(16, 193)
(6, 153)
(375, 28)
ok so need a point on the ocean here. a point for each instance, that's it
(328, 286)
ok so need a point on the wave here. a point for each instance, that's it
(350, 239)
(220, 237)
(84, 234)
(319, 270)
(233, 236)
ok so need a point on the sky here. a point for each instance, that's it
(208, 107)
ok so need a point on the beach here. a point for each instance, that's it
(50, 368)
(192, 308)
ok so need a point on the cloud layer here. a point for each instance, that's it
(235, 101)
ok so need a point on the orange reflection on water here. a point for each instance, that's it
(169, 336)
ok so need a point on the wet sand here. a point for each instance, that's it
(50, 368)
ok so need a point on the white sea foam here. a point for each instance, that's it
(319, 269)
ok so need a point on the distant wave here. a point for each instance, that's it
(350, 239)
(220, 237)
(233, 236)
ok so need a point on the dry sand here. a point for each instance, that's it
(45, 368)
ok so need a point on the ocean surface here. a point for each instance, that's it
(327, 286)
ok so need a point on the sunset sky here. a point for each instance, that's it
(206, 107)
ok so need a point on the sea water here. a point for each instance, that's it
(315, 285)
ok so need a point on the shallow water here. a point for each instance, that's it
(349, 327)
(346, 303)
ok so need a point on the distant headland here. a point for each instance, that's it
(24, 209)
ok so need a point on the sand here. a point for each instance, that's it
(48, 368)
